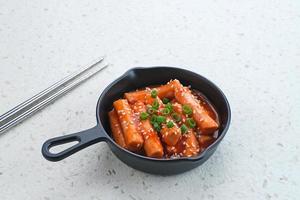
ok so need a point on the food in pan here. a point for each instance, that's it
(167, 121)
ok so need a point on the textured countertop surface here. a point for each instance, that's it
(251, 50)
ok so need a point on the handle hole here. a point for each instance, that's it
(61, 147)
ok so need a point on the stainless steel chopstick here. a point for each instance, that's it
(51, 98)
(48, 90)
(40, 101)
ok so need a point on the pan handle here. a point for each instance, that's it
(84, 138)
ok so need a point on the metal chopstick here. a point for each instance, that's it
(41, 101)
(48, 90)
(51, 98)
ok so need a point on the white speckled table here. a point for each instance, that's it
(251, 50)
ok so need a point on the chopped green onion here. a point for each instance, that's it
(183, 129)
(170, 124)
(150, 110)
(176, 117)
(144, 116)
(155, 104)
(154, 93)
(169, 106)
(153, 119)
(191, 123)
(160, 119)
(156, 126)
(165, 100)
(187, 109)
(166, 111)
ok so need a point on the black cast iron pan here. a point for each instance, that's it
(138, 78)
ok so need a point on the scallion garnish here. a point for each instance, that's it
(150, 110)
(156, 126)
(170, 124)
(153, 119)
(176, 117)
(191, 123)
(155, 104)
(160, 119)
(183, 129)
(187, 109)
(166, 111)
(154, 93)
(144, 116)
(165, 100)
(169, 106)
